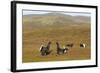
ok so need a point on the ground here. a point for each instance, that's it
(34, 38)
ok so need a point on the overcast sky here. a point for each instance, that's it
(27, 12)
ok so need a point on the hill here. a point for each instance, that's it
(53, 19)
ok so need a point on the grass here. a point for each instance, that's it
(34, 38)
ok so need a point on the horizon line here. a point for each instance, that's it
(39, 12)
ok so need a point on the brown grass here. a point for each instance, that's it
(33, 38)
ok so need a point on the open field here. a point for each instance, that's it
(65, 33)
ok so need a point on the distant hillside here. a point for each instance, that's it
(53, 19)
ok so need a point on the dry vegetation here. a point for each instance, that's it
(39, 31)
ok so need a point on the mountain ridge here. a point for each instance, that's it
(51, 19)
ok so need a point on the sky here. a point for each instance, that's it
(27, 12)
